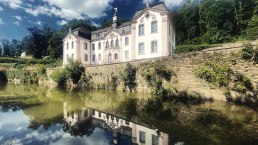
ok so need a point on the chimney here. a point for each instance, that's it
(114, 23)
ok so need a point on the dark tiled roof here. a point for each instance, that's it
(125, 24)
(101, 30)
(81, 32)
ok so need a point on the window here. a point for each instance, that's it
(93, 112)
(126, 55)
(72, 44)
(67, 45)
(85, 46)
(141, 30)
(142, 137)
(99, 57)
(112, 43)
(67, 57)
(154, 27)
(117, 43)
(109, 57)
(72, 56)
(99, 45)
(155, 139)
(107, 44)
(85, 57)
(93, 57)
(99, 114)
(141, 48)
(116, 56)
(93, 46)
(126, 41)
(153, 46)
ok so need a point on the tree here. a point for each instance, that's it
(5, 46)
(27, 44)
(129, 77)
(16, 47)
(252, 29)
(55, 45)
(40, 40)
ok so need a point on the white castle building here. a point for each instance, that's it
(149, 34)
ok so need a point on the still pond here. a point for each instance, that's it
(34, 115)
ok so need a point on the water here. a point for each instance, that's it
(33, 115)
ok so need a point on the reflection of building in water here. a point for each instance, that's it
(140, 134)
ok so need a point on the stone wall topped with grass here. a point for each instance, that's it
(184, 68)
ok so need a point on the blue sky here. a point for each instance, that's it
(17, 15)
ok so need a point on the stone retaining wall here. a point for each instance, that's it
(183, 65)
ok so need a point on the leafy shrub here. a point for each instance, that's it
(74, 71)
(129, 77)
(26, 61)
(247, 51)
(85, 82)
(214, 73)
(60, 77)
(113, 82)
(155, 78)
(191, 48)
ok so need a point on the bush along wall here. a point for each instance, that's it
(73, 76)
(237, 87)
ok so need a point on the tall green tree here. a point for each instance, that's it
(40, 40)
(55, 45)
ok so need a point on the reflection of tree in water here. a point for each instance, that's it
(14, 106)
(83, 129)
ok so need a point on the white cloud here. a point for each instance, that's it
(1, 9)
(62, 22)
(1, 22)
(14, 4)
(18, 18)
(79, 9)
(16, 23)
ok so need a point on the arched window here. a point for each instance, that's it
(112, 43)
(117, 43)
(116, 56)
(109, 57)
(107, 44)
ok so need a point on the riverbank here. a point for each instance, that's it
(184, 70)
(210, 122)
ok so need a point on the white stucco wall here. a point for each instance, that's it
(148, 36)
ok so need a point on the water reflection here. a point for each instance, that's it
(123, 132)
(33, 115)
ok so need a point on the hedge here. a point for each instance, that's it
(191, 48)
